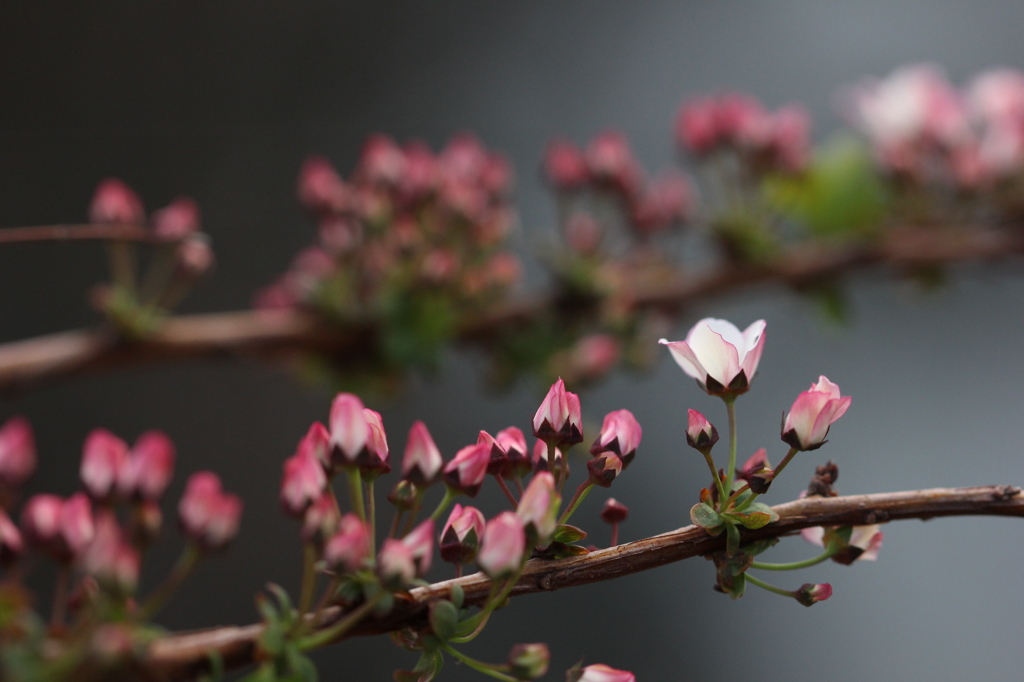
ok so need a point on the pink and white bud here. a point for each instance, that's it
(302, 482)
(114, 202)
(564, 165)
(61, 528)
(17, 452)
(604, 469)
(599, 672)
(382, 161)
(595, 355)
(614, 511)
(320, 520)
(719, 356)
(320, 189)
(104, 456)
(538, 508)
(610, 160)
(813, 412)
(540, 457)
(207, 515)
(421, 543)
(396, 565)
(997, 97)
(374, 460)
(11, 542)
(700, 433)
(349, 430)
(194, 256)
(558, 419)
(460, 538)
(621, 434)
(697, 129)
(517, 454)
(467, 470)
(149, 468)
(348, 550)
(178, 220)
(422, 461)
(499, 458)
(503, 546)
(810, 593)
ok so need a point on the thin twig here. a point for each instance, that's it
(78, 233)
(183, 656)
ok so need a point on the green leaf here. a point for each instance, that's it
(567, 534)
(301, 666)
(443, 619)
(732, 538)
(458, 595)
(561, 551)
(707, 518)
(737, 586)
(757, 515)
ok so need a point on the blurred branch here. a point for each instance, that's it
(88, 232)
(184, 655)
(271, 335)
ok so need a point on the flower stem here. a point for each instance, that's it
(308, 577)
(771, 588)
(372, 504)
(449, 495)
(476, 665)
(508, 493)
(615, 534)
(417, 504)
(793, 565)
(355, 492)
(581, 494)
(186, 564)
(494, 600)
(60, 597)
(730, 472)
(714, 474)
(551, 463)
(782, 465)
(330, 634)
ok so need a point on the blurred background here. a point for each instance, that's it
(222, 101)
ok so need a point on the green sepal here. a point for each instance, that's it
(457, 595)
(757, 515)
(567, 534)
(736, 587)
(443, 619)
(707, 518)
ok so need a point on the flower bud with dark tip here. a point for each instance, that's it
(757, 472)
(810, 593)
(403, 495)
(614, 511)
(558, 419)
(303, 481)
(149, 468)
(104, 455)
(207, 515)
(538, 509)
(621, 434)
(374, 460)
(604, 469)
(813, 412)
(421, 543)
(540, 457)
(498, 458)
(61, 528)
(348, 550)
(513, 442)
(700, 433)
(396, 566)
(466, 472)
(502, 547)
(422, 461)
(320, 520)
(529, 661)
(460, 538)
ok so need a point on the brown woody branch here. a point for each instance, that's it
(183, 655)
(273, 335)
(79, 233)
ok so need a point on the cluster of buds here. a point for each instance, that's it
(345, 544)
(763, 141)
(102, 532)
(183, 256)
(924, 130)
(724, 360)
(406, 221)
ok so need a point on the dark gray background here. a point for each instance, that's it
(222, 100)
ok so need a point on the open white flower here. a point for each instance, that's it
(718, 355)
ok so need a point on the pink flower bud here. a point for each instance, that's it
(348, 550)
(564, 165)
(538, 509)
(149, 467)
(320, 189)
(809, 593)
(599, 672)
(421, 543)
(614, 511)
(382, 161)
(498, 456)
(517, 462)
(396, 565)
(697, 128)
(11, 543)
(349, 430)
(422, 461)
(529, 661)
(302, 482)
(178, 220)
(604, 469)
(194, 256)
(320, 520)
(104, 456)
(610, 160)
(317, 442)
(110, 559)
(594, 355)
(722, 359)
(374, 460)
(621, 434)
(558, 419)
(17, 452)
(540, 457)
(61, 528)
(115, 202)
(421, 171)
(208, 516)
(467, 470)
(503, 546)
(813, 412)
(461, 536)
(700, 433)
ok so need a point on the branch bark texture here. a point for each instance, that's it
(182, 656)
(281, 334)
